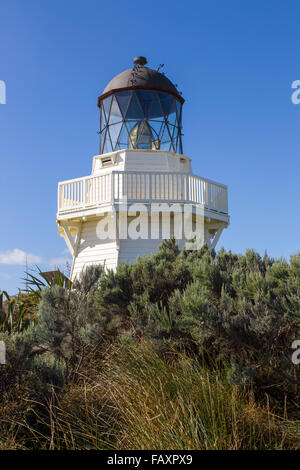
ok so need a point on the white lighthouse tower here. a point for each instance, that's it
(142, 189)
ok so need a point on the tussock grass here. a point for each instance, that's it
(139, 400)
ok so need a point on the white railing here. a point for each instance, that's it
(135, 186)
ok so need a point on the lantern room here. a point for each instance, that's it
(140, 109)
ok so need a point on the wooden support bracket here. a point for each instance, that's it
(68, 237)
(216, 237)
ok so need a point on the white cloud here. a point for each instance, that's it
(17, 256)
(60, 261)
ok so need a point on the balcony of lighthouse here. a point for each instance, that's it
(140, 176)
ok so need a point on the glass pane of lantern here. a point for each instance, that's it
(178, 107)
(172, 119)
(123, 138)
(161, 133)
(115, 113)
(147, 100)
(173, 131)
(166, 102)
(129, 126)
(165, 137)
(156, 128)
(109, 148)
(114, 131)
(123, 99)
(173, 146)
(172, 108)
(103, 119)
(106, 106)
(107, 144)
(155, 110)
(165, 146)
(134, 110)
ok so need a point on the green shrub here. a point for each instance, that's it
(213, 367)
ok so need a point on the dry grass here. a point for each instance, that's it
(140, 401)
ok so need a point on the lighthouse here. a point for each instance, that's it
(142, 189)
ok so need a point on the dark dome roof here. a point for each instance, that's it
(140, 77)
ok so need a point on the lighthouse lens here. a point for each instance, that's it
(141, 137)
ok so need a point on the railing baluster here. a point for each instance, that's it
(158, 187)
(136, 186)
(154, 187)
(112, 187)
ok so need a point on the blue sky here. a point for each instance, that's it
(234, 63)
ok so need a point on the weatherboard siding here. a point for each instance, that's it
(91, 250)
